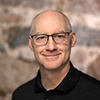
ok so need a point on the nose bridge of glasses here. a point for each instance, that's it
(50, 45)
(50, 41)
(51, 38)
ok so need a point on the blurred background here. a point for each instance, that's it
(17, 62)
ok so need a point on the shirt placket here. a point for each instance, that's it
(48, 95)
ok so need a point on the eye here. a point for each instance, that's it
(60, 36)
(40, 38)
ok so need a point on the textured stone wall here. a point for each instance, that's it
(17, 62)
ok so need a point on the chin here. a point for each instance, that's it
(52, 65)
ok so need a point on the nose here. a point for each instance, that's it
(51, 45)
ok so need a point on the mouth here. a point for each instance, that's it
(52, 56)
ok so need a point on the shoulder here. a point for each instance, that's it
(88, 83)
(88, 87)
(25, 89)
(85, 78)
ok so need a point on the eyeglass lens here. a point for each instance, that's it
(43, 39)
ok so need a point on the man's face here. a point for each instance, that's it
(51, 56)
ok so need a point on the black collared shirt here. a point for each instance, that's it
(75, 86)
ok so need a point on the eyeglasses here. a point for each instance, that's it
(58, 38)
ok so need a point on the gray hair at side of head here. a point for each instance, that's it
(68, 26)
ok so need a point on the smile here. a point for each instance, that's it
(51, 57)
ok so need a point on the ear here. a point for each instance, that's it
(30, 43)
(73, 39)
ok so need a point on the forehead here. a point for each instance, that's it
(50, 20)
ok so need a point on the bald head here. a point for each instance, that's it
(50, 17)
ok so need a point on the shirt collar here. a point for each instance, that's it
(70, 81)
(38, 84)
(66, 85)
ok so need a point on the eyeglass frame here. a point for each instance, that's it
(69, 33)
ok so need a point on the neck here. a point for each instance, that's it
(51, 79)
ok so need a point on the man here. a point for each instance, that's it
(51, 39)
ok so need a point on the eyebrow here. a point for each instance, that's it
(40, 33)
(62, 31)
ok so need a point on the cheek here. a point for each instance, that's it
(37, 51)
(66, 49)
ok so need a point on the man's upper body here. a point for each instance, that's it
(75, 86)
(51, 39)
